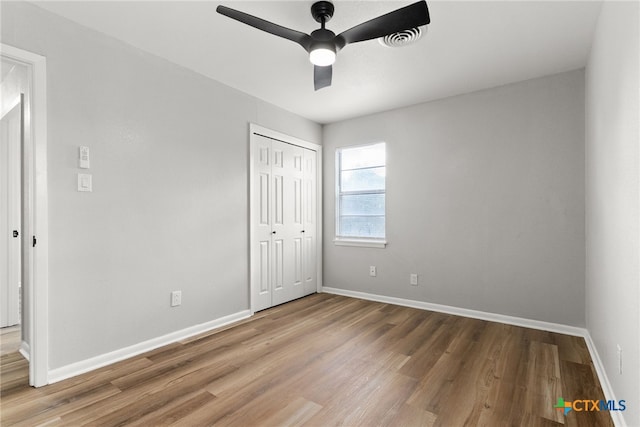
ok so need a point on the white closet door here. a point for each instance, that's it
(309, 209)
(287, 233)
(262, 218)
(283, 215)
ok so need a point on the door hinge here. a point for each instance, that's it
(34, 241)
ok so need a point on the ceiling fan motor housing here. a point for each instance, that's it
(323, 38)
(322, 11)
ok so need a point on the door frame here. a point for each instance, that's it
(35, 191)
(256, 130)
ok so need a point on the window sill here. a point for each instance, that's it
(361, 243)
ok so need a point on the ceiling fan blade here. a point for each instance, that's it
(322, 76)
(414, 15)
(302, 39)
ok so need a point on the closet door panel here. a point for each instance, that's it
(289, 201)
(309, 196)
(262, 218)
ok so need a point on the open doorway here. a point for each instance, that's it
(23, 210)
(14, 86)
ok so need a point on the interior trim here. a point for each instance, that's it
(616, 416)
(360, 243)
(37, 225)
(464, 312)
(96, 362)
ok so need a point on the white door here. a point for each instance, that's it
(10, 198)
(283, 242)
(261, 218)
(309, 197)
(287, 177)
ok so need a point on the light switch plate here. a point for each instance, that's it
(84, 182)
(83, 157)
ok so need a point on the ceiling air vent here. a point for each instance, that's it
(402, 38)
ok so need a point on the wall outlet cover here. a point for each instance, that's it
(176, 298)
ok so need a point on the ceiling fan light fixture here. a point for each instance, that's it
(322, 56)
(323, 44)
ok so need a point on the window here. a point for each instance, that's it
(360, 195)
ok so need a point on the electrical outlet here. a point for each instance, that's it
(619, 359)
(176, 298)
(372, 271)
(413, 279)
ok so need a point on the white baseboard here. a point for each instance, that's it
(96, 362)
(25, 350)
(616, 416)
(464, 312)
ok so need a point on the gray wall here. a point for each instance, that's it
(169, 154)
(612, 199)
(485, 201)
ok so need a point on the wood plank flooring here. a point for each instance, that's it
(10, 339)
(327, 360)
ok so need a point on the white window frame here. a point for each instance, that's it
(363, 242)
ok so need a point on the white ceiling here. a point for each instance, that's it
(469, 46)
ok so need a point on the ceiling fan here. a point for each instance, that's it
(323, 44)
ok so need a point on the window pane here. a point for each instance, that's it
(363, 157)
(361, 187)
(362, 226)
(362, 204)
(363, 179)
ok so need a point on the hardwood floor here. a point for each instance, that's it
(9, 340)
(329, 360)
